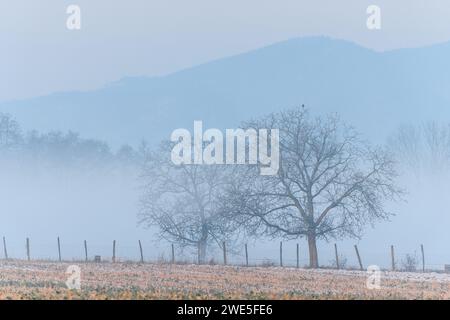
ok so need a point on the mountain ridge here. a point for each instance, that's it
(364, 86)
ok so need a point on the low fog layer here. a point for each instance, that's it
(58, 184)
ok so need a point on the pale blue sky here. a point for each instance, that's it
(153, 37)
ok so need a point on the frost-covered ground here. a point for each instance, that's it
(389, 275)
(47, 280)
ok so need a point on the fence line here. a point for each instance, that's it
(244, 255)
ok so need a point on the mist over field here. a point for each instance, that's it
(87, 187)
(59, 184)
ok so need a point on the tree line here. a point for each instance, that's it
(60, 148)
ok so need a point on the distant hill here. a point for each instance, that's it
(373, 91)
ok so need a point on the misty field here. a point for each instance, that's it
(47, 280)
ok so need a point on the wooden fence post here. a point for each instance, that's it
(337, 256)
(59, 250)
(5, 250)
(114, 252)
(224, 253)
(359, 258)
(393, 258)
(141, 251)
(298, 256)
(281, 253)
(246, 255)
(85, 250)
(198, 254)
(423, 257)
(28, 249)
(173, 253)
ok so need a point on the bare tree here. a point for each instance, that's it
(10, 133)
(183, 201)
(329, 185)
(407, 144)
(423, 147)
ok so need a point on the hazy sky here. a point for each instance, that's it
(152, 37)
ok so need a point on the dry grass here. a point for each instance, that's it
(46, 280)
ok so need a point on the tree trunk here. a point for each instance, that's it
(313, 257)
(201, 252)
